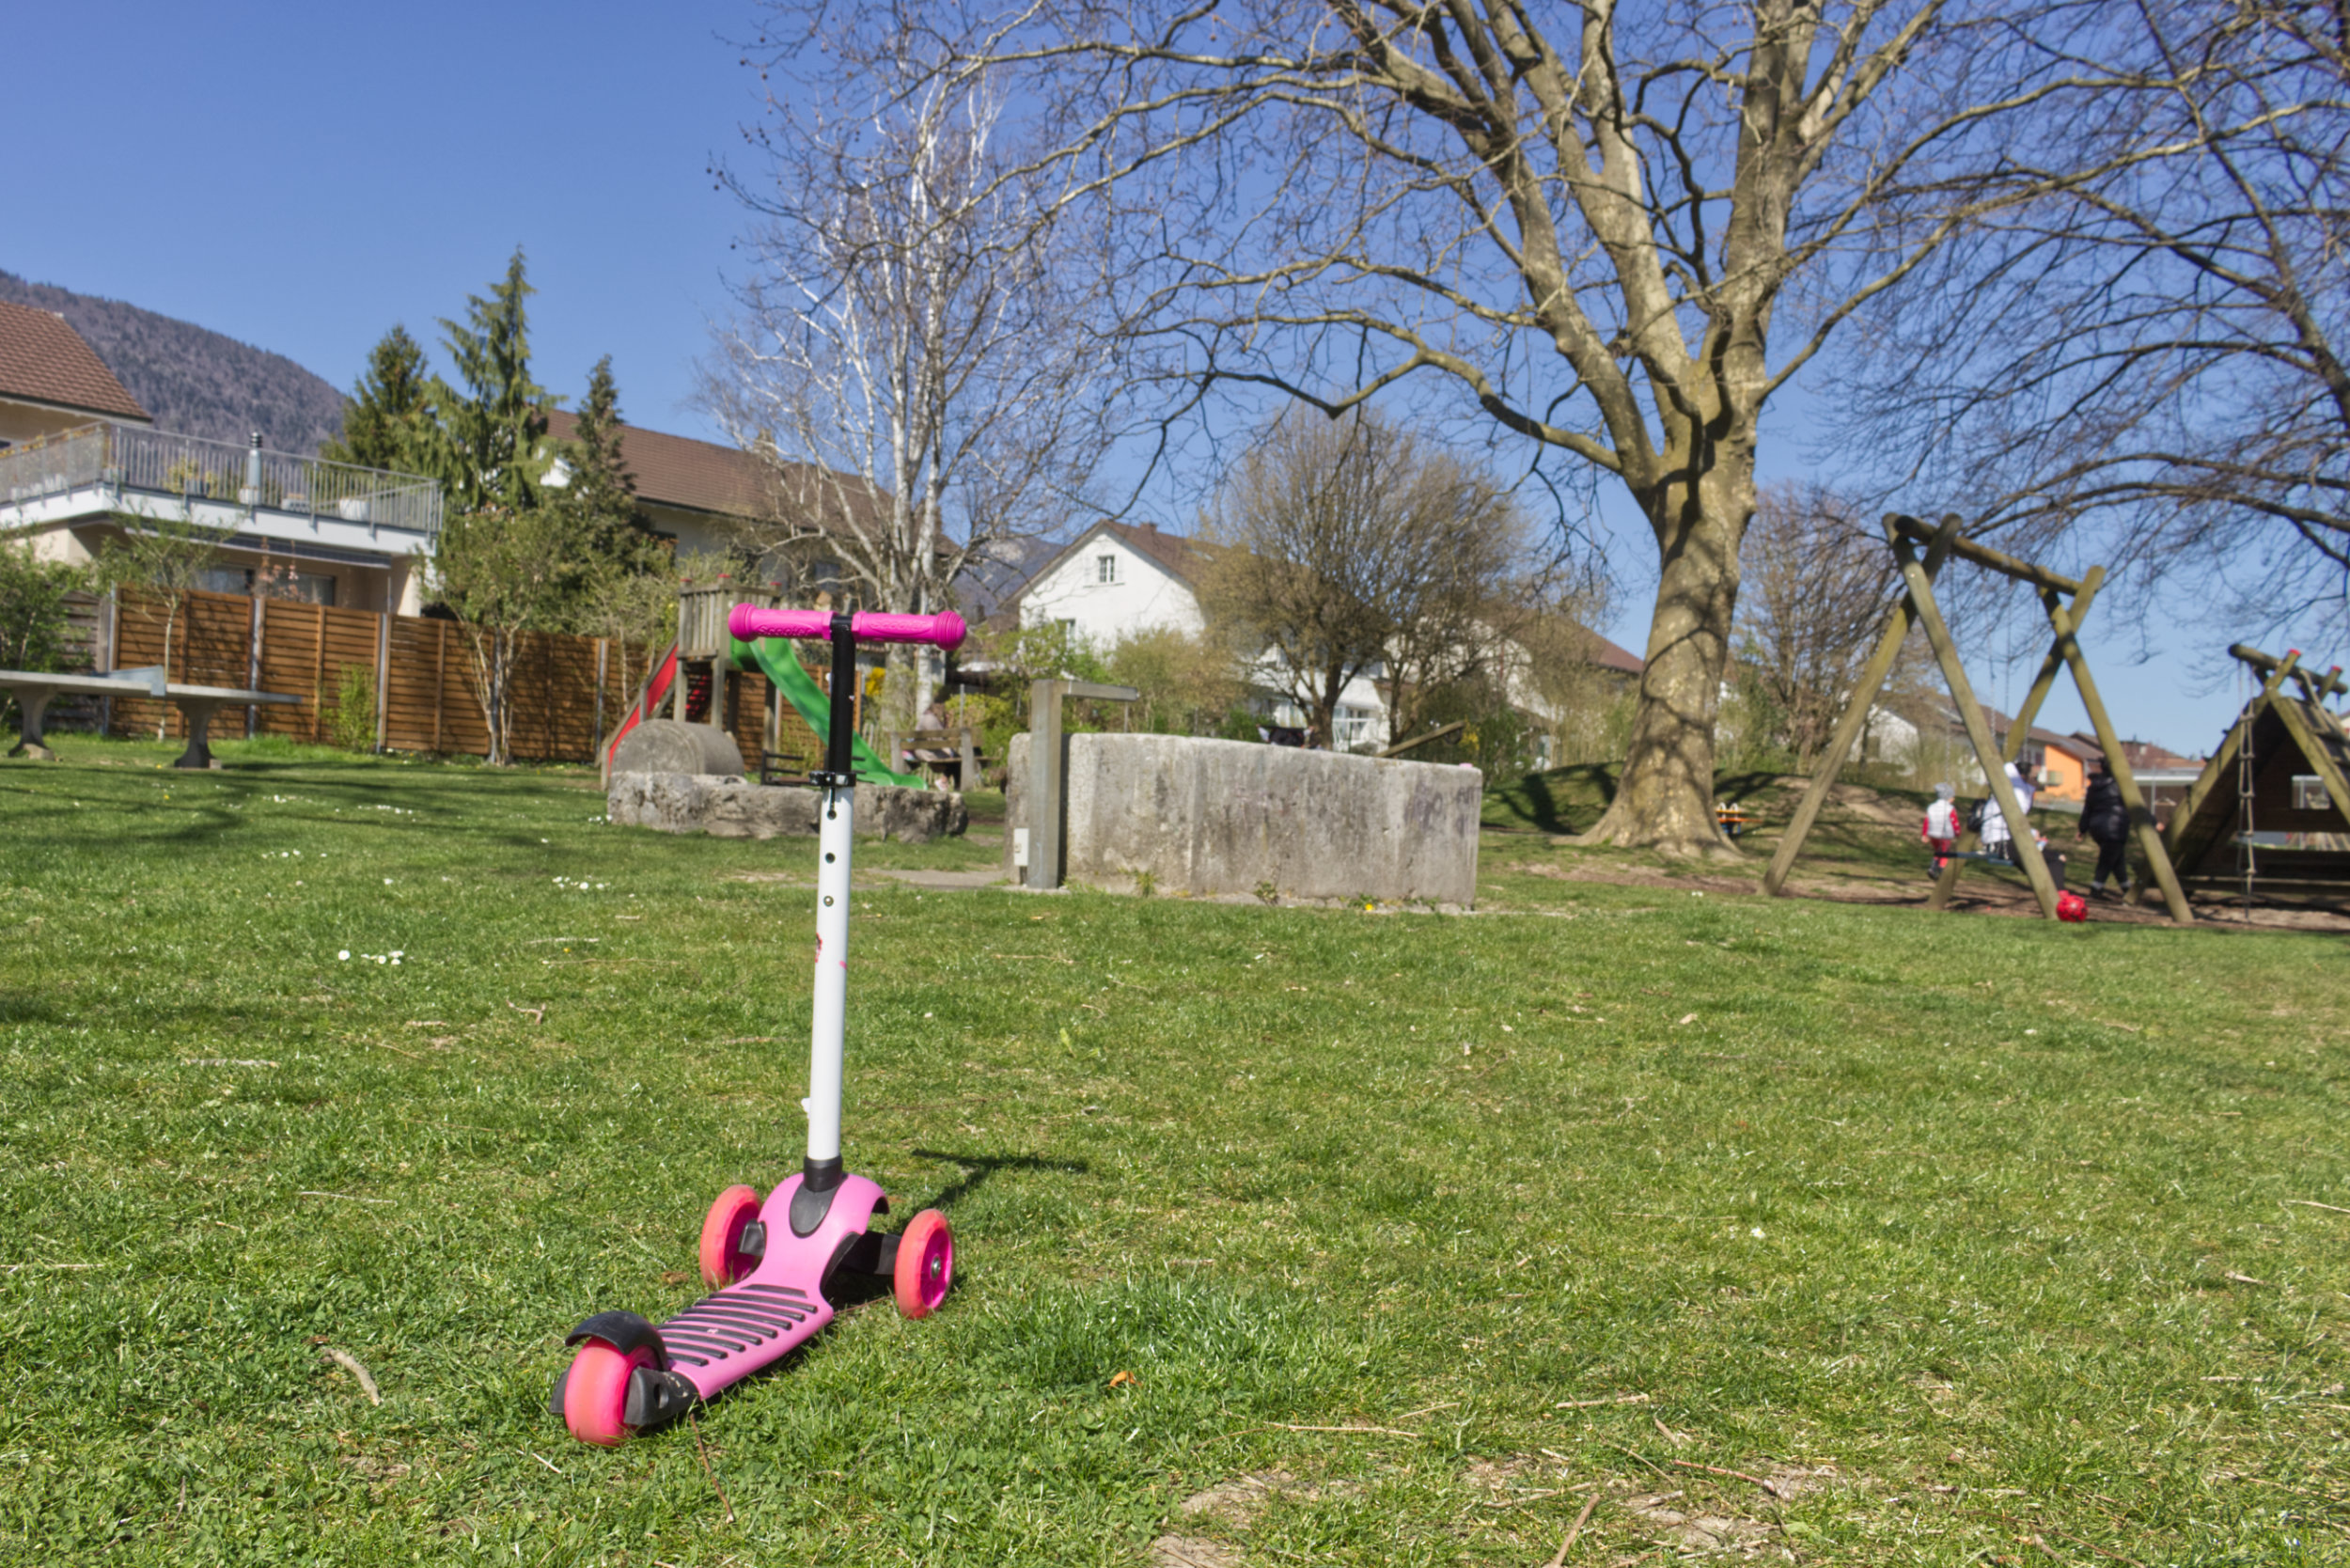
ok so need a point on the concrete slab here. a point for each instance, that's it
(1208, 818)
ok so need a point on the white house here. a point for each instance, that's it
(1119, 578)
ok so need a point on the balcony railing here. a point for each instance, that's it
(129, 457)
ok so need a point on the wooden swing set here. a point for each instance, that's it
(2067, 601)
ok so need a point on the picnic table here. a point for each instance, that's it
(33, 690)
(1733, 820)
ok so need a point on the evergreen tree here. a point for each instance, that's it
(601, 491)
(384, 418)
(490, 447)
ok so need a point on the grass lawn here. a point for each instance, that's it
(1975, 1239)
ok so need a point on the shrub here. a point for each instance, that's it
(350, 718)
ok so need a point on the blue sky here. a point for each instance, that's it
(303, 178)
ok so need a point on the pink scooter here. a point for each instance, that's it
(771, 1264)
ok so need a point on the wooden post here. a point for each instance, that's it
(1856, 716)
(383, 682)
(439, 679)
(967, 778)
(2019, 727)
(1978, 733)
(2116, 761)
(1045, 783)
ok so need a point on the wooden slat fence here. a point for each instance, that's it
(566, 691)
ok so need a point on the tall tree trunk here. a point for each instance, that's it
(1665, 800)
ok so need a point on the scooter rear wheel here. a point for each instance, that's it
(595, 1395)
(926, 1264)
(722, 1259)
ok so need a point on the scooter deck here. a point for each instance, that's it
(724, 1338)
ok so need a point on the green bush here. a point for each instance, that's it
(350, 718)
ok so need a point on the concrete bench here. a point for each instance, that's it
(33, 690)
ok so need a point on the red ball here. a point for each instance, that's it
(2073, 907)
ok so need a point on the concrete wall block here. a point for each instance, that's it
(1209, 818)
(726, 806)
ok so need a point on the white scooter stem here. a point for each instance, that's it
(836, 833)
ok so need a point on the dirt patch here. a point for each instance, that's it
(1710, 1534)
(1191, 1551)
(1241, 1498)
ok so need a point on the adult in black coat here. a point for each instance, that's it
(2105, 822)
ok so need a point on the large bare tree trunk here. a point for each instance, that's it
(1665, 800)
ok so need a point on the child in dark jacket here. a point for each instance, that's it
(2105, 822)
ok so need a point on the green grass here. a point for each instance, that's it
(1956, 1213)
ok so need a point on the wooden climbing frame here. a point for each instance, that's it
(2067, 601)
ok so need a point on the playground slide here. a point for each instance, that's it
(776, 659)
(656, 692)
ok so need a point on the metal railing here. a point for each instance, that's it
(129, 457)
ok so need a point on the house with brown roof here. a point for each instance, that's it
(52, 381)
(81, 462)
(1119, 578)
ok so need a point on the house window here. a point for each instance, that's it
(2308, 794)
(1106, 568)
(1353, 725)
(307, 588)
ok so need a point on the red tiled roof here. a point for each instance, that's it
(1609, 656)
(45, 360)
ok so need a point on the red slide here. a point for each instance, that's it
(656, 692)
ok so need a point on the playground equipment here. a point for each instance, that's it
(773, 1266)
(1916, 607)
(2290, 805)
(707, 649)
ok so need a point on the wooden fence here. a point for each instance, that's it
(566, 693)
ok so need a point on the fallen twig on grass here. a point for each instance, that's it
(346, 1196)
(1574, 1530)
(1429, 1409)
(537, 1015)
(1589, 1403)
(2242, 1278)
(1734, 1475)
(695, 1422)
(13, 1267)
(1384, 1431)
(392, 1049)
(350, 1363)
(2314, 1203)
(226, 1062)
(426, 1024)
(1641, 1458)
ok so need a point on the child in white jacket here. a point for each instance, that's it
(1941, 827)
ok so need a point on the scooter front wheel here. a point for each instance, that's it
(722, 1260)
(595, 1394)
(926, 1264)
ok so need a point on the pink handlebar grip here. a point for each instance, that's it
(941, 630)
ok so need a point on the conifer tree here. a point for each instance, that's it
(389, 408)
(601, 490)
(491, 438)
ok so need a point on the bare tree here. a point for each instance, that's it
(1589, 219)
(1812, 603)
(1352, 544)
(2159, 351)
(914, 354)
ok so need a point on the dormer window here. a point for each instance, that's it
(1106, 568)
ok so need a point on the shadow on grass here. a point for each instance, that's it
(976, 1168)
(1562, 800)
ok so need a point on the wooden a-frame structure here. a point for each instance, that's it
(2287, 736)
(2067, 601)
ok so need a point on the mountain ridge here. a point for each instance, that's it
(192, 380)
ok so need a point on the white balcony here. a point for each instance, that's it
(109, 471)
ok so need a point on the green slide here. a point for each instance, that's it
(772, 657)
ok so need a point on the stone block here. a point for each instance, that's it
(1209, 818)
(666, 745)
(726, 807)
